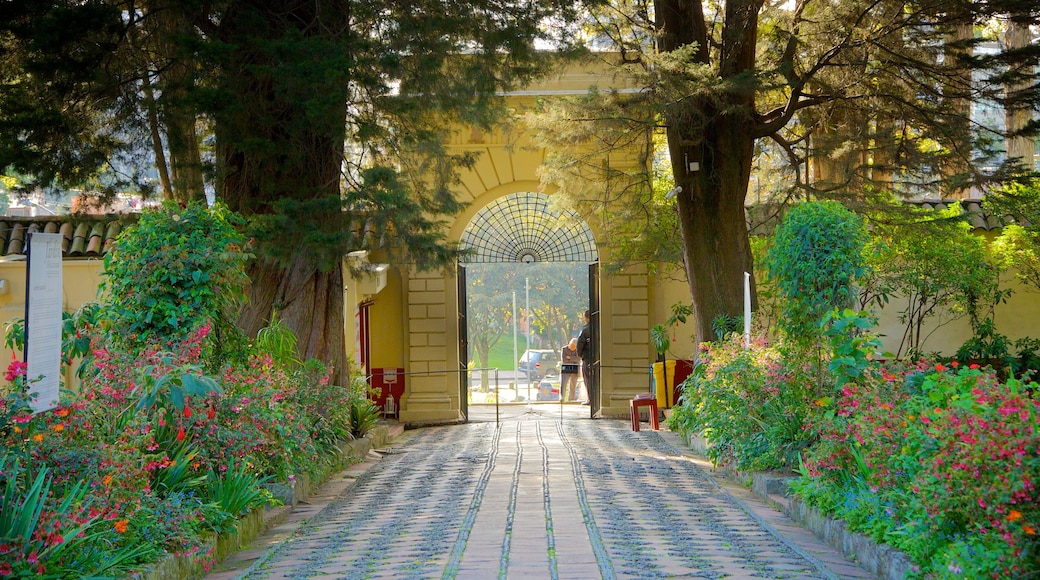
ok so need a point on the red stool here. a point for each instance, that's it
(648, 400)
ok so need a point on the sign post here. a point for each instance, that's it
(43, 307)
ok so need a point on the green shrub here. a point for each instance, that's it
(175, 270)
(363, 412)
(750, 405)
(814, 260)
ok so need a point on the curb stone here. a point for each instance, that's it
(882, 560)
(225, 548)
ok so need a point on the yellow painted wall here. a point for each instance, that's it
(80, 281)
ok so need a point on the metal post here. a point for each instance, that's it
(497, 395)
(527, 316)
(516, 369)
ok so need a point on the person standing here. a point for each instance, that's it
(569, 362)
(587, 353)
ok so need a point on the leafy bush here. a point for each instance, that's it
(752, 406)
(363, 412)
(237, 490)
(814, 260)
(175, 270)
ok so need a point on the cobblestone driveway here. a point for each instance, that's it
(536, 499)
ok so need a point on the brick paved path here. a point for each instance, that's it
(537, 497)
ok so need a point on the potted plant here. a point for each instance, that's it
(661, 341)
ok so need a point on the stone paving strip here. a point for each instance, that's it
(537, 497)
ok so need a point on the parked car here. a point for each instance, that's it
(548, 391)
(538, 363)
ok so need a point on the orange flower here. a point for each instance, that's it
(58, 428)
(17, 429)
(107, 480)
(1013, 515)
(62, 412)
(1029, 530)
(121, 526)
(38, 437)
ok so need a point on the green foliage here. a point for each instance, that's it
(851, 345)
(942, 270)
(237, 490)
(659, 332)
(278, 341)
(168, 386)
(364, 414)
(175, 270)
(722, 325)
(987, 347)
(815, 258)
(1019, 245)
(752, 406)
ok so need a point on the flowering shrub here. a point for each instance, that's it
(176, 423)
(753, 406)
(940, 462)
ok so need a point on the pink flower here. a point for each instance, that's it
(15, 370)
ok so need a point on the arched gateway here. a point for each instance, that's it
(522, 228)
(412, 331)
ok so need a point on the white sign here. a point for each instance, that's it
(43, 319)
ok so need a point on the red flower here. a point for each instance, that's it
(212, 413)
(973, 366)
(187, 411)
(180, 434)
(940, 367)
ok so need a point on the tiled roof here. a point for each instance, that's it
(86, 236)
(763, 219)
(973, 210)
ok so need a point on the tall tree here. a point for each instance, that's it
(875, 80)
(286, 85)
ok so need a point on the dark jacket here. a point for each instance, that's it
(585, 349)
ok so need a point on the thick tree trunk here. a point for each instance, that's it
(711, 214)
(712, 162)
(1018, 113)
(309, 301)
(176, 79)
(280, 144)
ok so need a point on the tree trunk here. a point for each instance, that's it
(280, 142)
(176, 79)
(716, 248)
(714, 226)
(1018, 113)
(308, 301)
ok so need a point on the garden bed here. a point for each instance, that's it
(259, 520)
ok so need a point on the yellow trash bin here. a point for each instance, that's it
(665, 391)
